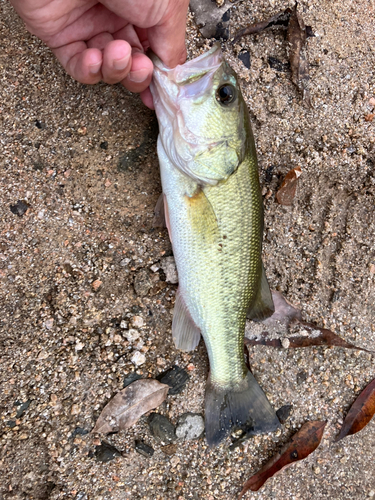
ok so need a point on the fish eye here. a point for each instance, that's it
(226, 94)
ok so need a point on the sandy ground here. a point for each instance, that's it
(83, 159)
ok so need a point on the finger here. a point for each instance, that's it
(100, 41)
(140, 74)
(82, 63)
(117, 61)
(167, 39)
(147, 100)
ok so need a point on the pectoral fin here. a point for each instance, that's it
(159, 213)
(262, 307)
(186, 335)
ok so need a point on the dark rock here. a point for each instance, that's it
(169, 449)
(22, 408)
(284, 412)
(301, 377)
(106, 452)
(190, 426)
(130, 378)
(142, 283)
(176, 378)
(244, 56)
(19, 208)
(11, 423)
(278, 65)
(269, 173)
(104, 145)
(81, 495)
(39, 124)
(79, 431)
(161, 427)
(212, 21)
(143, 449)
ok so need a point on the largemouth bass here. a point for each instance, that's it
(214, 214)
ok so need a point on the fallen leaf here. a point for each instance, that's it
(125, 409)
(286, 313)
(301, 445)
(278, 20)
(285, 195)
(296, 36)
(360, 413)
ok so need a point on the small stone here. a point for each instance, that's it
(137, 321)
(285, 343)
(154, 268)
(142, 283)
(143, 449)
(316, 470)
(104, 145)
(125, 262)
(96, 285)
(11, 423)
(79, 346)
(75, 409)
(123, 325)
(22, 408)
(132, 335)
(371, 101)
(170, 270)
(284, 412)
(106, 452)
(138, 358)
(49, 323)
(369, 117)
(79, 431)
(161, 428)
(82, 131)
(174, 461)
(169, 449)
(190, 426)
(301, 377)
(19, 208)
(176, 378)
(130, 378)
(244, 56)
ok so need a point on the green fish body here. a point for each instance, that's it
(214, 214)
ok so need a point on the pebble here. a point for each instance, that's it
(169, 449)
(123, 325)
(161, 428)
(75, 409)
(154, 268)
(284, 412)
(244, 56)
(190, 426)
(285, 343)
(130, 378)
(138, 358)
(142, 283)
(176, 378)
(106, 452)
(19, 208)
(143, 449)
(132, 335)
(137, 321)
(169, 267)
(96, 285)
(22, 408)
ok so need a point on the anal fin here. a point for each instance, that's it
(263, 306)
(186, 335)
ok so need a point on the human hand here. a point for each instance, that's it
(107, 40)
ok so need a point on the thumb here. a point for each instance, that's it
(167, 38)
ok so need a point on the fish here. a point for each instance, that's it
(214, 214)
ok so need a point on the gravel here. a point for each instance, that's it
(83, 158)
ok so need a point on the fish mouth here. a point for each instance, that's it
(191, 70)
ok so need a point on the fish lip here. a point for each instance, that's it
(193, 69)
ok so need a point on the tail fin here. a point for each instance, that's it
(246, 408)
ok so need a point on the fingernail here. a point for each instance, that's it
(95, 68)
(139, 76)
(120, 64)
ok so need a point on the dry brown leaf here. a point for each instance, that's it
(279, 20)
(285, 195)
(304, 442)
(296, 36)
(125, 409)
(285, 313)
(361, 412)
